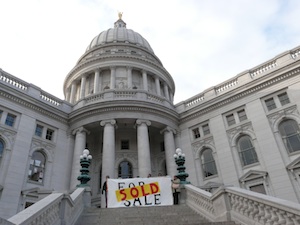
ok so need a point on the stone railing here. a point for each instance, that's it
(242, 206)
(33, 91)
(243, 78)
(123, 94)
(13, 81)
(55, 209)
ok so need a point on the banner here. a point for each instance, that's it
(154, 191)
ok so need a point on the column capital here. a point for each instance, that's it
(168, 129)
(112, 67)
(129, 67)
(139, 122)
(97, 70)
(104, 122)
(80, 130)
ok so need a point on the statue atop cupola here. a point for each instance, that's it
(120, 23)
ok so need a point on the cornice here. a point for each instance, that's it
(33, 106)
(89, 112)
(240, 95)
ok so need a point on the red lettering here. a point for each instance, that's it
(134, 189)
(122, 192)
(143, 191)
(154, 188)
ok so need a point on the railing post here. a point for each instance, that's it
(221, 205)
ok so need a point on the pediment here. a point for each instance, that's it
(294, 164)
(253, 174)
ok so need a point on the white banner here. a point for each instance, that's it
(154, 191)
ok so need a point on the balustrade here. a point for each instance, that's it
(244, 206)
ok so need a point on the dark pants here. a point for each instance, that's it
(175, 197)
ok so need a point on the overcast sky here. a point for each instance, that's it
(201, 43)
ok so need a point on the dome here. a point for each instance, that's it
(119, 34)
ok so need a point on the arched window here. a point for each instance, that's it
(208, 163)
(1, 148)
(37, 167)
(246, 151)
(290, 134)
(125, 170)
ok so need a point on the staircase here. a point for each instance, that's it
(159, 215)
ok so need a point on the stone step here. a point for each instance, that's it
(159, 215)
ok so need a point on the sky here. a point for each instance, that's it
(201, 43)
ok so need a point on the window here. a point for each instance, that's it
(125, 170)
(205, 129)
(242, 115)
(10, 120)
(290, 133)
(39, 130)
(1, 148)
(270, 103)
(196, 133)
(230, 119)
(208, 163)
(277, 100)
(246, 151)
(124, 144)
(284, 99)
(259, 188)
(37, 167)
(49, 134)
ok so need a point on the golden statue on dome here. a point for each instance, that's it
(120, 15)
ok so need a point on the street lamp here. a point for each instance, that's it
(180, 160)
(85, 161)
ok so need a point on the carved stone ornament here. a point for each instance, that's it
(244, 128)
(8, 135)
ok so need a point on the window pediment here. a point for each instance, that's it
(294, 164)
(252, 175)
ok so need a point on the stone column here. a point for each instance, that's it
(166, 90)
(145, 80)
(112, 77)
(157, 84)
(96, 81)
(82, 86)
(73, 92)
(80, 144)
(169, 142)
(144, 158)
(108, 153)
(129, 77)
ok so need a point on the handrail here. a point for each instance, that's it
(242, 206)
(55, 209)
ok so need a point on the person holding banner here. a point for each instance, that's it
(105, 189)
(176, 189)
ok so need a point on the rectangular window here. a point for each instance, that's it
(10, 120)
(259, 188)
(196, 133)
(230, 119)
(39, 130)
(270, 103)
(242, 115)
(125, 144)
(49, 134)
(205, 129)
(284, 98)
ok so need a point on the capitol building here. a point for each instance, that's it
(118, 104)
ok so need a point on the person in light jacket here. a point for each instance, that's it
(176, 189)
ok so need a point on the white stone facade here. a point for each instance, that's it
(119, 104)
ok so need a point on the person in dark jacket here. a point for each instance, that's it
(105, 190)
(176, 189)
